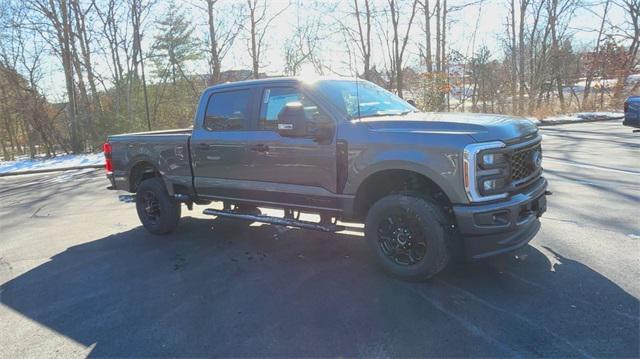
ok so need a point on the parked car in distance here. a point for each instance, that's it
(632, 112)
(427, 186)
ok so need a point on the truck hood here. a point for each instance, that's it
(482, 127)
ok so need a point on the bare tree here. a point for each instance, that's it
(630, 33)
(538, 57)
(138, 8)
(364, 35)
(259, 21)
(524, 4)
(84, 40)
(400, 39)
(305, 43)
(558, 13)
(438, 11)
(591, 66)
(115, 44)
(223, 25)
(426, 50)
(513, 53)
(56, 13)
(359, 34)
(302, 47)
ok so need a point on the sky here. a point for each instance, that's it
(490, 17)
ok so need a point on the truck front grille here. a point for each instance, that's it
(526, 164)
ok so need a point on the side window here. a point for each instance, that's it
(227, 111)
(274, 99)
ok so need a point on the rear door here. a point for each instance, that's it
(218, 143)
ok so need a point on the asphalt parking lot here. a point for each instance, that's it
(79, 276)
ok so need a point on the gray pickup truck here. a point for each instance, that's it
(427, 186)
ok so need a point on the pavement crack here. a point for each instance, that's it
(35, 214)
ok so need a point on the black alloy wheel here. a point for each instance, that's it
(400, 238)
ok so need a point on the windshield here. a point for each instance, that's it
(373, 99)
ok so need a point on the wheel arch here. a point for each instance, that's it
(140, 169)
(397, 178)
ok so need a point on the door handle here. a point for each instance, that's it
(204, 146)
(260, 148)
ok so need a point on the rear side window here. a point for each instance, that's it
(227, 111)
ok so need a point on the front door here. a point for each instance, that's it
(299, 171)
(218, 143)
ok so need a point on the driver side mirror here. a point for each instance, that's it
(292, 120)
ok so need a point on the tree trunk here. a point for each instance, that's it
(514, 65)
(555, 48)
(365, 37)
(67, 65)
(213, 44)
(443, 53)
(596, 56)
(85, 48)
(438, 63)
(443, 34)
(427, 33)
(136, 10)
(522, 84)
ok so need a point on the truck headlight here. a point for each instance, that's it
(486, 171)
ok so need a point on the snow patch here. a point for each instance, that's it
(57, 162)
(577, 117)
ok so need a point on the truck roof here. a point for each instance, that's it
(282, 79)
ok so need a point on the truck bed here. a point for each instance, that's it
(168, 151)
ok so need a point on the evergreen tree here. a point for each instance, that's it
(174, 45)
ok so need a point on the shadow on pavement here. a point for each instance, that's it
(266, 291)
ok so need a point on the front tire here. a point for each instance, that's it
(409, 236)
(158, 212)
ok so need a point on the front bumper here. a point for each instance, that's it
(494, 228)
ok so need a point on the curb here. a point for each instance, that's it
(30, 172)
(561, 122)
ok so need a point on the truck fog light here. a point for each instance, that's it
(492, 185)
(489, 185)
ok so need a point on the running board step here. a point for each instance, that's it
(275, 220)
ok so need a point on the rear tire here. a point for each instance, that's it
(158, 212)
(409, 236)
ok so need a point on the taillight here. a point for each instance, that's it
(626, 106)
(108, 163)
